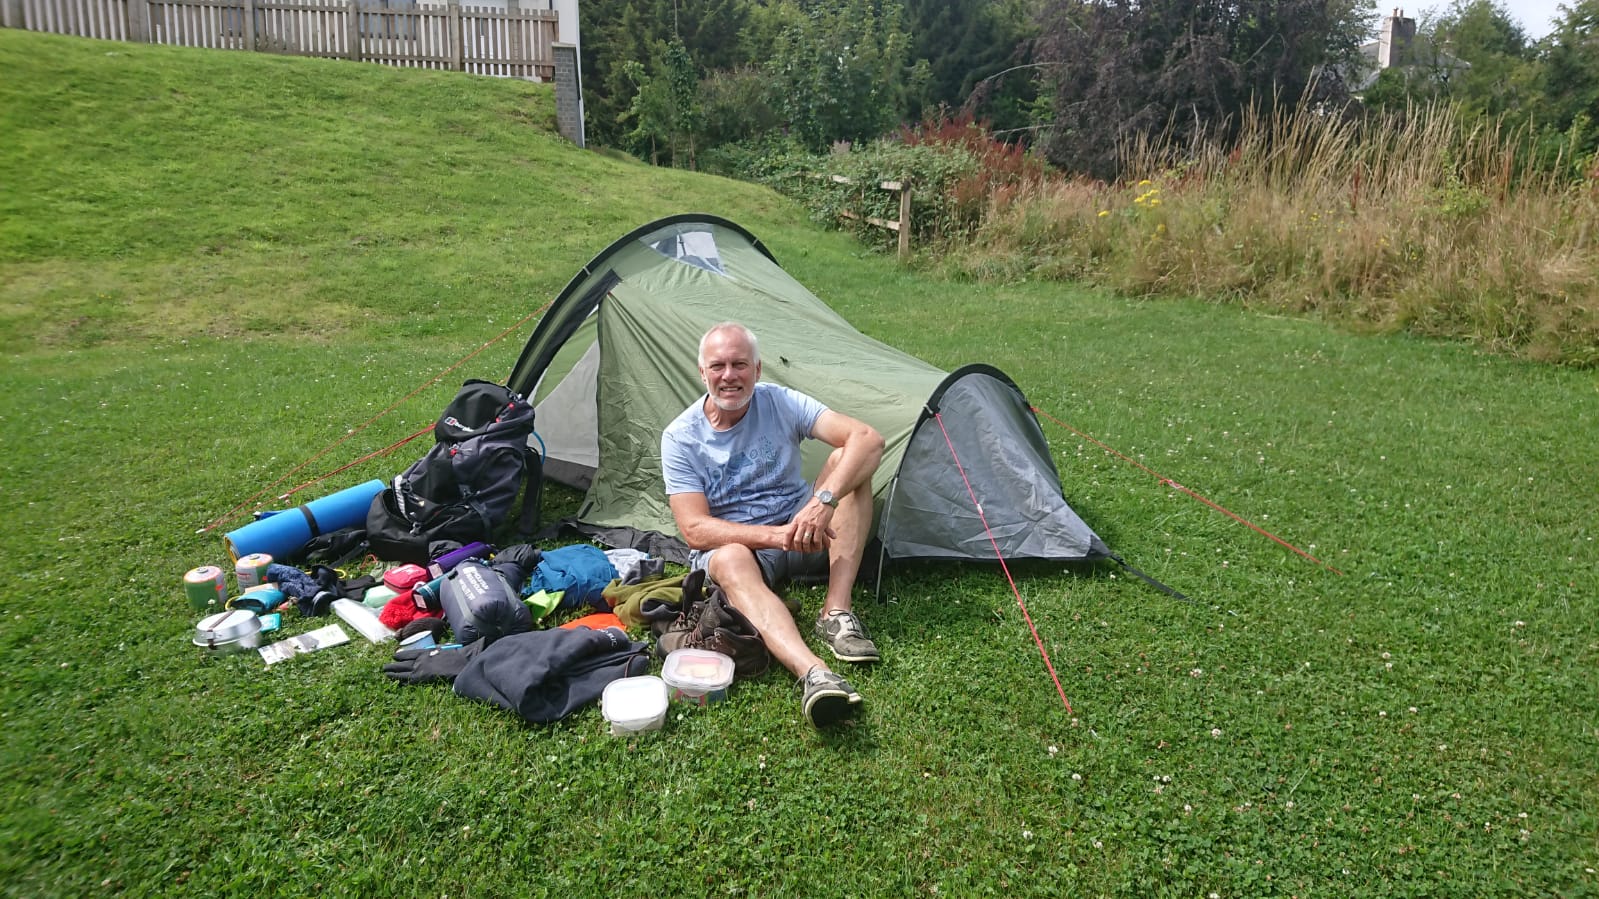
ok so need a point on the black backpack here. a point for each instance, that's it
(466, 484)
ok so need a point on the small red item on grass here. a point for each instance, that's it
(597, 621)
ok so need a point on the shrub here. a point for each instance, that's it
(1427, 223)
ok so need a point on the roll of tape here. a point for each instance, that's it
(206, 587)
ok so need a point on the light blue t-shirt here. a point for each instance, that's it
(749, 473)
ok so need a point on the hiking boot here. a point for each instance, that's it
(674, 633)
(828, 697)
(847, 637)
(680, 631)
(726, 630)
(748, 652)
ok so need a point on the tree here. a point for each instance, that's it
(617, 32)
(666, 112)
(1124, 69)
(838, 70)
(967, 43)
(1483, 34)
(1569, 80)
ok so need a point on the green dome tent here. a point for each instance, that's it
(613, 360)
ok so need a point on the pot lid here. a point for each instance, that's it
(225, 627)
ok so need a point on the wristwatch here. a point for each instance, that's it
(827, 498)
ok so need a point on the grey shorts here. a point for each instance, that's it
(778, 566)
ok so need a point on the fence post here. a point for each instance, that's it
(456, 64)
(513, 29)
(904, 220)
(249, 25)
(353, 29)
(138, 21)
(13, 14)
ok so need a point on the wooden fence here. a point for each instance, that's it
(511, 43)
(901, 226)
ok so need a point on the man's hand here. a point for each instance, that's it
(811, 530)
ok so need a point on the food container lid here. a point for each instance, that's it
(632, 700)
(697, 670)
(226, 627)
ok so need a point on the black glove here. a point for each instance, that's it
(435, 626)
(426, 666)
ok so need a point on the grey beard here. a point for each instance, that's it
(731, 405)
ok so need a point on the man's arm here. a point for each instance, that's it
(702, 530)
(862, 451)
(858, 449)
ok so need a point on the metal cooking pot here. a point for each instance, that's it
(231, 631)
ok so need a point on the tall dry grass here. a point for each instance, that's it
(1417, 222)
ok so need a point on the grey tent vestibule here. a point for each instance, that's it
(613, 361)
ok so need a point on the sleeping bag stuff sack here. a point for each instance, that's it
(282, 535)
(480, 604)
(466, 484)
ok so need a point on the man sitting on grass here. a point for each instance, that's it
(732, 468)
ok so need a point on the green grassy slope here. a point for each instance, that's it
(212, 265)
(234, 194)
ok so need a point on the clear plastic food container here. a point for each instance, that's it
(698, 676)
(634, 704)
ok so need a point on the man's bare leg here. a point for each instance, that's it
(736, 571)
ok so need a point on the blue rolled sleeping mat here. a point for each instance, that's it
(283, 534)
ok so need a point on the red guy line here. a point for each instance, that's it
(1006, 568)
(366, 458)
(1173, 484)
(233, 513)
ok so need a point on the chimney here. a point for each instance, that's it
(1393, 43)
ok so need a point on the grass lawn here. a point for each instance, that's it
(214, 264)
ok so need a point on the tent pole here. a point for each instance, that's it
(882, 545)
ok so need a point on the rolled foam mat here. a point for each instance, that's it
(282, 535)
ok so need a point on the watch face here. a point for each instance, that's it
(825, 496)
